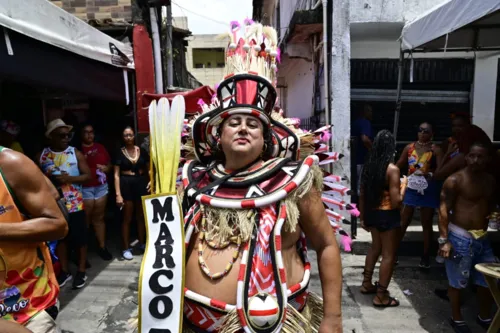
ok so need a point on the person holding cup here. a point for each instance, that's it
(67, 168)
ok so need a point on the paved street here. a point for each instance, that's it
(110, 299)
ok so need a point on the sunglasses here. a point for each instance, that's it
(424, 130)
(65, 135)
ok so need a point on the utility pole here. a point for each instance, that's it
(340, 87)
(170, 64)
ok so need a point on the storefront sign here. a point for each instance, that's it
(161, 284)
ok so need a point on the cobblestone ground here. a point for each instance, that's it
(109, 300)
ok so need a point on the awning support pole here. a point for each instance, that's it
(170, 64)
(156, 50)
(398, 93)
(134, 102)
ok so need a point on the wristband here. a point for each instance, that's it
(442, 240)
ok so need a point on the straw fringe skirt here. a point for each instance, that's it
(307, 321)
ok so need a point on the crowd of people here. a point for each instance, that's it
(458, 178)
(81, 177)
(64, 190)
(58, 195)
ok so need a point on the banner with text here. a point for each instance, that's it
(161, 285)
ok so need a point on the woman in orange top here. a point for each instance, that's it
(420, 158)
(379, 208)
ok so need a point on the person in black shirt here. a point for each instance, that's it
(131, 167)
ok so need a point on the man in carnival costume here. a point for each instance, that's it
(252, 198)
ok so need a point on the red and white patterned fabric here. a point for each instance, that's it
(248, 87)
(273, 181)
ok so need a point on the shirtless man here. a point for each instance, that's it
(466, 201)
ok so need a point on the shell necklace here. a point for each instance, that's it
(131, 159)
(424, 144)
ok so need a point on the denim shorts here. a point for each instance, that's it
(467, 252)
(95, 192)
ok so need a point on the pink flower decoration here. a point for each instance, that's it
(248, 21)
(295, 122)
(201, 102)
(234, 25)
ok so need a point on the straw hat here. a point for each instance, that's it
(55, 124)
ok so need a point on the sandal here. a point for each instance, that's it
(368, 279)
(391, 301)
(460, 327)
(484, 323)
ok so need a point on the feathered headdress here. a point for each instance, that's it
(248, 88)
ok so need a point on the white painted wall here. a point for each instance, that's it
(387, 49)
(389, 10)
(340, 88)
(287, 8)
(484, 91)
(299, 79)
(360, 10)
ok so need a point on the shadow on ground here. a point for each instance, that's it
(113, 242)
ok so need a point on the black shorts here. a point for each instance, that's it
(383, 220)
(132, 188)
(77, 229)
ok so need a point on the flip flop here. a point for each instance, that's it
(393, 302)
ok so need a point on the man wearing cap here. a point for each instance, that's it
(29, 217)
(9, 131)
(67, 168)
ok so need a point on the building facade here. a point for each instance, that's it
(434, 86)
(205, 58)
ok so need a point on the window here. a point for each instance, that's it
(208, 57)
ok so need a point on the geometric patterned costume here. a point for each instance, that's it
(252, 207)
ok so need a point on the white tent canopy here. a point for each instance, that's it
(455, 25)
(44, 21)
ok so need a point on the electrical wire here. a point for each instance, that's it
(201, 15)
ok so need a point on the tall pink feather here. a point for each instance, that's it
(346, 242)
(354, 211)
(326, 135)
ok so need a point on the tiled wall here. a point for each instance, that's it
(118, 10)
